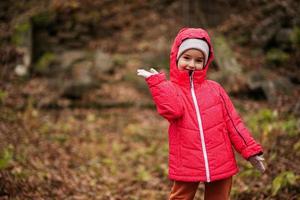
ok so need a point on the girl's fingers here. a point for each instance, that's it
(260, 158)
(153, 71)
(141, 71)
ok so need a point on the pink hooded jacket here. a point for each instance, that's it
(203, 121)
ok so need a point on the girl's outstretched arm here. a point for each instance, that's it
(240, 136)
(165, 95)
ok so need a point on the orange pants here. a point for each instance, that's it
(216, 190)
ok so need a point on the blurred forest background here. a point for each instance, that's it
(77, 123)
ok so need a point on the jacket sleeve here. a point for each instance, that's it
(239, 135)
(165, 96)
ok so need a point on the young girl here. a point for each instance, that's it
(203, 121)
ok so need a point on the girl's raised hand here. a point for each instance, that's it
(145, 73)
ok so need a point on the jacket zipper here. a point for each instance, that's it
(200, 126)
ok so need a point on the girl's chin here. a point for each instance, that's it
(192, 69)
(186, 69)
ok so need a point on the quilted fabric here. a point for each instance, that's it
(222, 126)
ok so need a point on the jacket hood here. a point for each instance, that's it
(182, 77)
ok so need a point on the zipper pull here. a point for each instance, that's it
(191, 72)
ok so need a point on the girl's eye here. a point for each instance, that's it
(185, 57)
(199, 61)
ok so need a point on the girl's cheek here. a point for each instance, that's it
(182, 67)
(199, 66)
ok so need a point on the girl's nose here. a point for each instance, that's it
(192, 64)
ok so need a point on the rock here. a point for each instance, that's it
(255, 79)
(68, 58)
(72, 44)
(103, 62)
(283, 85)
(78, 70)
(80, 80)
(81, 72)
(224, 56)
(230, 71)
(272, 87)
(75, 90)
(269, 90)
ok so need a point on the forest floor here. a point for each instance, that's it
(122, 153)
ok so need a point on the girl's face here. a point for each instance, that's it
(191, 59)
